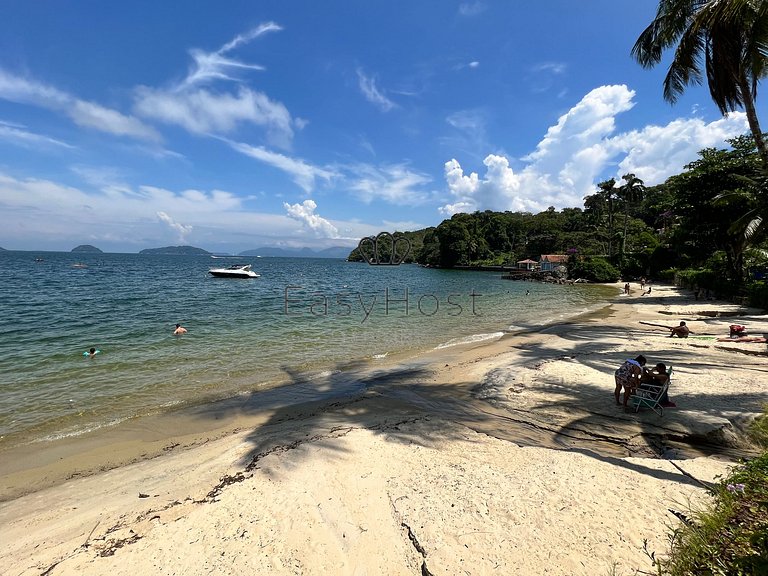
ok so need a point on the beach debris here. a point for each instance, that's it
(114, 545)
(142, 495)
(683, 518)
(225, 481)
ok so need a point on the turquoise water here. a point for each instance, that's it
(301, 317)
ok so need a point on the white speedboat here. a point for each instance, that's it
(234, 271)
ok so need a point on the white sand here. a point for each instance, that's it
(388, 486)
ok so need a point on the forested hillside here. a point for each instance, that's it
(703, 225)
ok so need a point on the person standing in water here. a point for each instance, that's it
(179, 330)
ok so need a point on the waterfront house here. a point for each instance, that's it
(549, 262)
(527, 264)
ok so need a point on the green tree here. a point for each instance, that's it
(710, 196)
(608, 192)
(454, 241)
(630, 193)
(727, 37)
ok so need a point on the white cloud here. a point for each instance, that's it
(372, 93)
(183, 230)
(543, 77)
(94, 116)
(83, 113)
(203, 112)
(199, 109)
(551, 67)
(576, 152)
(21, 90)
(42, 214)
(305, 213)
(470, 132)
(20, 136)
(499, 190)
(658, 152)
(303, 174)
(467, 120)
(216, 65)
(472, 8)
(395, 184)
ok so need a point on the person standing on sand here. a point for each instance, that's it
(179, 330)
(628, 376)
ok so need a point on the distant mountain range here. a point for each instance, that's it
(177, 250)
(86, 248)
(332, 252)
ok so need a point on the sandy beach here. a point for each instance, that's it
(509, 457)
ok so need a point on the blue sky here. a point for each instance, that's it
(240, 124)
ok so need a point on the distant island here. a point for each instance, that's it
(332, 252)
(176, 250)
(87, 248)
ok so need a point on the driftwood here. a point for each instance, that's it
(659, 325)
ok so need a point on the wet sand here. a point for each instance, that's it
(509, 455)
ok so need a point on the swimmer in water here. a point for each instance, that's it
(179, 330)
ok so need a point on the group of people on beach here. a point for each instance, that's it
(633, 374)
(642, 287)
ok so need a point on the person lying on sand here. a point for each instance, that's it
(681, 331)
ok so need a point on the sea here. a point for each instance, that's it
(302, 319)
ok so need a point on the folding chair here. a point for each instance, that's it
(649, 395)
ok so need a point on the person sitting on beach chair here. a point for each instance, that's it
(681, 331)
(627, 376)
(653, 392)
(657, 378)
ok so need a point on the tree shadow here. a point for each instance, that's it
(521, 402)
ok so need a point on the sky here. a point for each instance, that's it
(234, 125)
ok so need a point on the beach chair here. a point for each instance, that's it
(650, 395)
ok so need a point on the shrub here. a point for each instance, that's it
(595, 270)
(758, 294)
(731, 537)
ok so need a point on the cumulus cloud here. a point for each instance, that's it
(578, 150)
(45, 214)
(83, 113)
(499, 190)
(305, 213)
(372, 93)
(182, 230)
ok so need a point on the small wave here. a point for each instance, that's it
(78, 431)
(326, 373)
(380, 356)
(474, 338)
